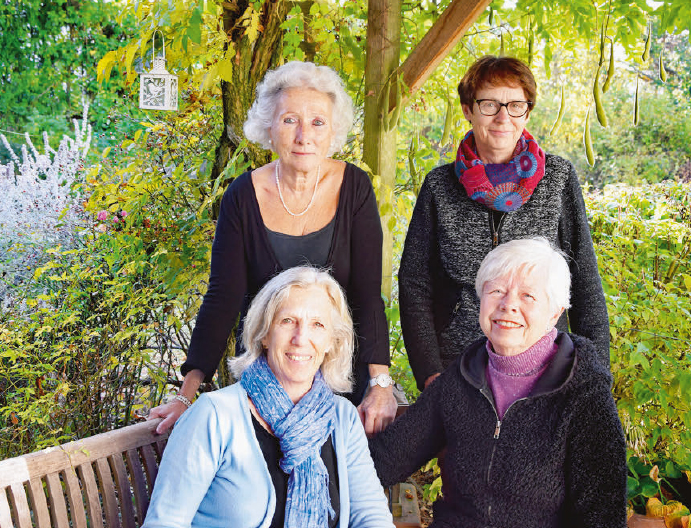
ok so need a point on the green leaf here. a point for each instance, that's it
(637, 358)
(632, 485)
(649, 488)
(194, 30)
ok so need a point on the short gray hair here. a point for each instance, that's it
(337, 366)
(296, 74)
(524, 256)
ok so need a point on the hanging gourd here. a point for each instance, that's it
(158, 89)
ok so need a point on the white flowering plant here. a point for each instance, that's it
(40, 207)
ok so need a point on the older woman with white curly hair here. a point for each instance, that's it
(302, 208)
(525, 414)
(277, 449)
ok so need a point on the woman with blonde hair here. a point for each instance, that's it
(278, 448)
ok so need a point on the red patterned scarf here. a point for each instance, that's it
(501, 186)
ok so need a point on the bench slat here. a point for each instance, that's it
(74, 496)
(93, 505)
(141, 496)
(160, 445)
(5, 515)
(39, 505)
(56, 498)
(110, 502)
(123, 488)
(20, 505)
(150, 464)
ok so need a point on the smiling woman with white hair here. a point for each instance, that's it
(277, 449)
(302, 208)
(525, 414)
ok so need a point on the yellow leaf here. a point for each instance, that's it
(104, 66)
(252, 31)
(106, 151)
(655, 473)
(210, 78)
(677, 520)
(225, 69)
(654, 508)
(673, 507)
(129, 56)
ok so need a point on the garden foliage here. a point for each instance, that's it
(40, 208)
(110, 316)
(642, 237)
(110, 326)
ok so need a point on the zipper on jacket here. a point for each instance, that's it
(497, 429)
(495, 230)
(497, 432)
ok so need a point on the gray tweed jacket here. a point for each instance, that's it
(450, 234)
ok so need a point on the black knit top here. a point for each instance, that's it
(243, 260)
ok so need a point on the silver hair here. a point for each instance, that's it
(525, 256)
(337, 366)
(296, 74)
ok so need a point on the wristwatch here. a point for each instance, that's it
(383, 380)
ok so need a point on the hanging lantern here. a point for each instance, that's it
(158, 89)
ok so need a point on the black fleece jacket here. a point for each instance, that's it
(450, 234)
(556, 460)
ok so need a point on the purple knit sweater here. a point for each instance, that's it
(513, 377)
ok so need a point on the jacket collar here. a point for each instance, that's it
(473, 365)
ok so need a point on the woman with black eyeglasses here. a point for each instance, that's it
(501, 187)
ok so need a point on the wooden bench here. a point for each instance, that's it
(106, 481)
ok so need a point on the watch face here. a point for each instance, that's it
(382, 380)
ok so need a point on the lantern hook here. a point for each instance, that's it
(153, 44)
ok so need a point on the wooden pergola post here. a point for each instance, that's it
(383, 55)
(440, 40)
(379, 153)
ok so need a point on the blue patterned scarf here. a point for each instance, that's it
(301, 429)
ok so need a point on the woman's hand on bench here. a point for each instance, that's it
(170, 412)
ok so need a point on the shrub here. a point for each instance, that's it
(642, 237)
(104, 338)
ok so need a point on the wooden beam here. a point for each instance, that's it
(440, 40)
(379, 150)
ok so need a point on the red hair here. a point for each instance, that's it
(497, 71)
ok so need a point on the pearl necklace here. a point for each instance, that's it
(314, 193)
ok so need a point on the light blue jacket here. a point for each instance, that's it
(213, 472)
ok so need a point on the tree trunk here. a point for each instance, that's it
(383, 54)
(251, 62)
(308, 46)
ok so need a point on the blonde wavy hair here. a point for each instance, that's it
(337, 365)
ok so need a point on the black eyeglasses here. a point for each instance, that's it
(491, 107)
